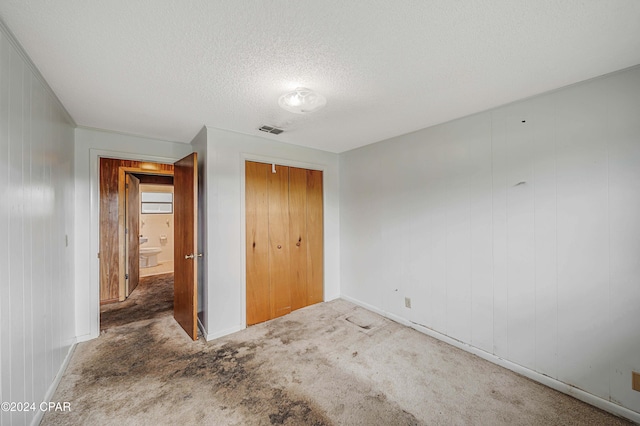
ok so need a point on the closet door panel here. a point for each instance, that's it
(315, 258)
(257, 242)
(298, 241)
(279, 250)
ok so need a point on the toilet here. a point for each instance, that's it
(149, 256)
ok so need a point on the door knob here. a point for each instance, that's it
(189, 256)
(279, 246)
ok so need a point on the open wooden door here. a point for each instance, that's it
(132, 191)
(185, 210)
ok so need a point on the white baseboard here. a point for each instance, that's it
(533, 375)
(56, 381)
(86, 338)
(222, 333)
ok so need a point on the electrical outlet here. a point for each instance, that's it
(407, 302)
(635, 381)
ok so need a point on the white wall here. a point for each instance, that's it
(36, 216)
(199, 144)
(521, 239)
(90, 145)
(226, 155)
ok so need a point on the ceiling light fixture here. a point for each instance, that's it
(302, 101)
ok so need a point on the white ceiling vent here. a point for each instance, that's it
(270, 129)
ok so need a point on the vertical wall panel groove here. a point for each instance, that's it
(29, 239)
(36, 185)
(5, 300)
(16, 231)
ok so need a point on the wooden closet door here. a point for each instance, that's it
(284, 240)
(257, 241)
(298, 239)
(279, 250)
(315, 236)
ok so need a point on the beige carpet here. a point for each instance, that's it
(332, 363)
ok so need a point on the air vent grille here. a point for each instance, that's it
(271, 129)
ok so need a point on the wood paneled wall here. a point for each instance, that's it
(109, 217)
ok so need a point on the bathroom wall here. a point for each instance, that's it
(158, 228)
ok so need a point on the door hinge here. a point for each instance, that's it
(126, 185)
(126, 276)
(126, 231)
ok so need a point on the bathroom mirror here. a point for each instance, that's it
(156, 203)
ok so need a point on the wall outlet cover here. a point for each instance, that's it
(407, 302)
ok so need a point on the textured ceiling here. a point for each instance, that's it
(165, 68)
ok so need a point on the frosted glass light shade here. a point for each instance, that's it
(302, 101)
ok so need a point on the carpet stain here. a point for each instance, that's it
(500, 396)
(153, 297)
(288, 371)
(139, 347)
(295, 411)
(225, 365)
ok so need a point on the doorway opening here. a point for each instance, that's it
(123, 260)
(137, 207)
(155, 226)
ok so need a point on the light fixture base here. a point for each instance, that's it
(302, 101)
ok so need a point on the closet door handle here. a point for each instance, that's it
(279, 246)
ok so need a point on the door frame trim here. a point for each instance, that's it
(122, 172)
(244, 157)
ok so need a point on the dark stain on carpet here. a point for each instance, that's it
(175, 368)
(150, 372)
(152, 298)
